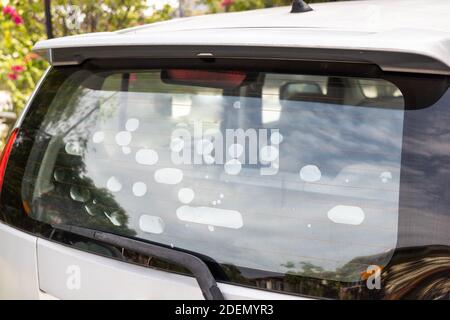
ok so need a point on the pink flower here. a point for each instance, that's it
(17, 68)
(226, 3)
(12, 76)
(17, 19)
(9, 10)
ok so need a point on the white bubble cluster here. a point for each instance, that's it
(276, 137)
(269, 153)
(310, 173)
(177, 144)
(139, 189)
(168, 176)
(98, 137)
(235, 150)
(208, 159)
(113, 184)
(114, 218)
(204, 147)
(233, 167)
(186, 195)
(132, 124)
(386, 176)
(74, 148)
(123, 138)
(146, 156)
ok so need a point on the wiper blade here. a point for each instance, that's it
(196, 266)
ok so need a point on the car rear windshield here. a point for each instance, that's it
(264, 172)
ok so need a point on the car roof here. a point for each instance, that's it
(417, 27)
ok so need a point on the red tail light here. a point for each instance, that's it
(5, 155)
(218, 79)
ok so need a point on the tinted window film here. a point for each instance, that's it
(310, 162)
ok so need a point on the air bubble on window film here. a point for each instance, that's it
(98, 137)
(79, 194)
(74, 148)
(346, 215)
(92, 210)
(177, 144)
(237, 105)
(59, 175)
(310, 173)
(270, 171)
(123, 138)
(208, 159)
(386, 176)
(276, 138)
(204, 146)
(168, 176)
(268, 153)
(114, 218)
(151, 224)
(139, 189)
(186, 195)
(146, 156)
(211, 216)
(132, 124)
(113, 184)
(233, 167)
(235, 150)
(126, 150)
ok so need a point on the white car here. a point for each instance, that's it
(266, 154)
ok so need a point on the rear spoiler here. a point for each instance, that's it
(388, 61)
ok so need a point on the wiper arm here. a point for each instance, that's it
(196, 266)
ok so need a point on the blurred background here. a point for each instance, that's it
(23, 23)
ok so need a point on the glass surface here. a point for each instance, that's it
(288, 173)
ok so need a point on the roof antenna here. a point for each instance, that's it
(300, 6)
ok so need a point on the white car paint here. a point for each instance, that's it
(18, 264)
(407, 26)
(21, 276)
(111, 279)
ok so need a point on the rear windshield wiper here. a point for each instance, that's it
(195, 265)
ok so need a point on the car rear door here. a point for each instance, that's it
(285, 183)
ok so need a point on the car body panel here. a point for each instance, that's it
(18, 264)
(382, 26)
(59, 267)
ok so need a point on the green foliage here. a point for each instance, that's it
(23, 25)
(165, 13)
(83, 16)
(19, 68)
